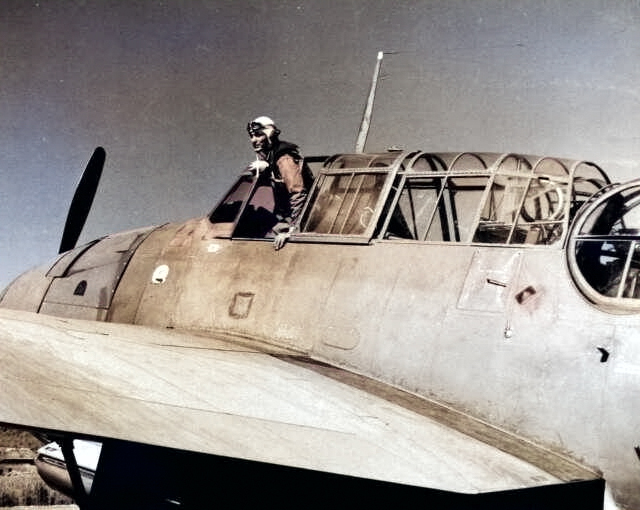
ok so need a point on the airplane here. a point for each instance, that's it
(441, 330)
(457, 328)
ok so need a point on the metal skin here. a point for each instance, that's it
(489, 319)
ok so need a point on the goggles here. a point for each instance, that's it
(255, 128)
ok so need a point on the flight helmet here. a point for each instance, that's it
(263, 130)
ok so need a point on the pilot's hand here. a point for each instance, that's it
(258, 166)
(283, 232)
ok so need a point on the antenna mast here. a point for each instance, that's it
(366, 116)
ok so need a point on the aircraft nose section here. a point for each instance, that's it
(27, 291)
(3, 293)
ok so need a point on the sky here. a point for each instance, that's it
(167, 87)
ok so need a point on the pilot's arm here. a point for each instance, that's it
(290, 168)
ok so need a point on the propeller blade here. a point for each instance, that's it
(82, 200)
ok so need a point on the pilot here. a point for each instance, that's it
(289, 175)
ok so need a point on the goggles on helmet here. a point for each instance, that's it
(255, 128)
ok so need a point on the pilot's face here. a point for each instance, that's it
(261, 140)
(258, 141)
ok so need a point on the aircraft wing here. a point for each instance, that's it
(222, 396)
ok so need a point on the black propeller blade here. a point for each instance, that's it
(82, 200)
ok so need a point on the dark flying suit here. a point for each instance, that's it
(290, 179)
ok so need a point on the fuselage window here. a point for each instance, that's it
(604, 250)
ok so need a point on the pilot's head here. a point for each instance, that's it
(263, 133)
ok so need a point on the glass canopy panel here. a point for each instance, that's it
(344, 203)
(468, 162)
(542, 216)
(457, 208)
(428, 163)
(501, 209)
(545, 201)
(587, 180)
(618, 215)
(551, 167)
(513, 163)
(228, 209)
(362, 161)
(414, 210)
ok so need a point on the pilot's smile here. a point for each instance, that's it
(259, 142)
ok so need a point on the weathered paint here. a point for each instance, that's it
(497, 331)
(371, 310)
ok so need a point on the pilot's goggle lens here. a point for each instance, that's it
(254, 128)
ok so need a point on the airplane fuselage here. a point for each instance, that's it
(498, 330)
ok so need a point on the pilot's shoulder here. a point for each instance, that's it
(287, 148)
